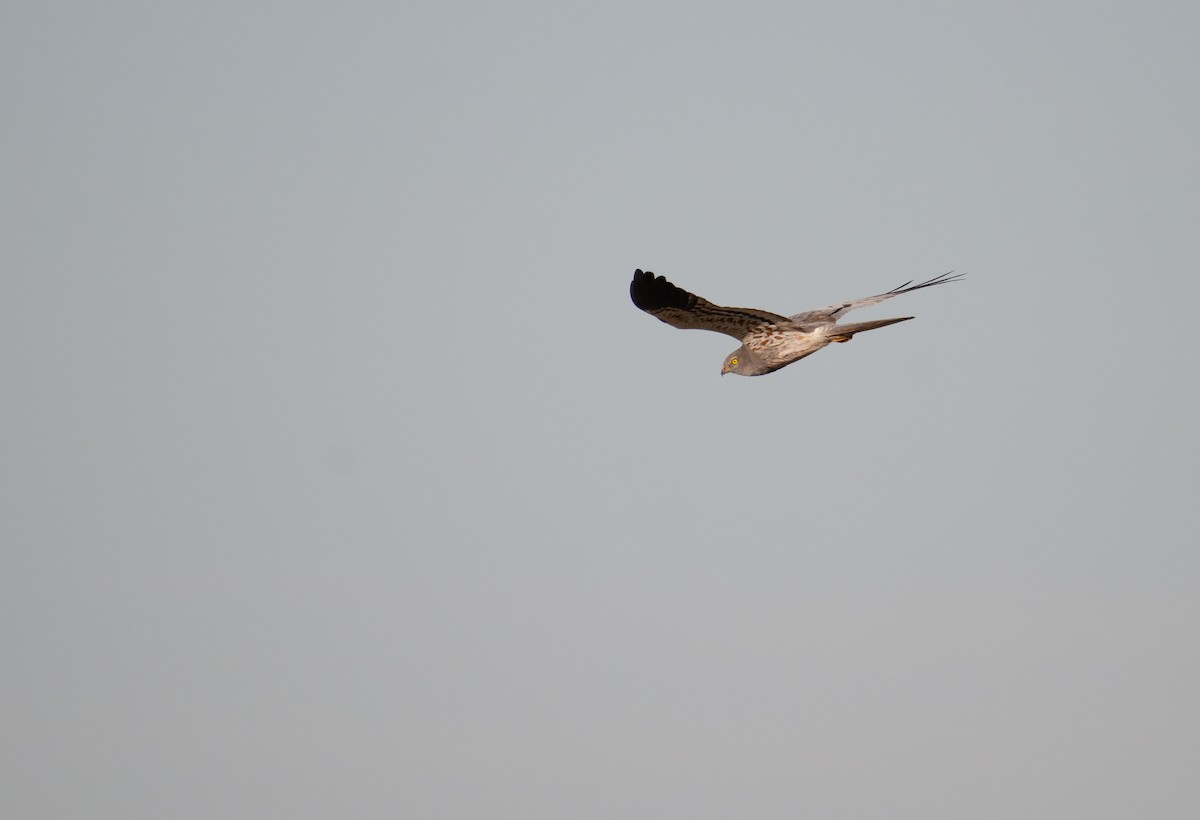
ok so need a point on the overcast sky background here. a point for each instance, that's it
(341, 479)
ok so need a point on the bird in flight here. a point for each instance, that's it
(769, 341)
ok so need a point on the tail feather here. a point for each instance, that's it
(843, 333)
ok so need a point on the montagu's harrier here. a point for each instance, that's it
(769, 341)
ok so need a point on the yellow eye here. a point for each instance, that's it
(733, 362)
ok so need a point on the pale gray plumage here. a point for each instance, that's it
(769, 341)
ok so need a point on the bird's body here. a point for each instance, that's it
(769, 341)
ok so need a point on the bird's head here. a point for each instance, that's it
(739, 362)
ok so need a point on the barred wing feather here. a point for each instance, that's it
(678, 308)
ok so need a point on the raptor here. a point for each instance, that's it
(769, 341)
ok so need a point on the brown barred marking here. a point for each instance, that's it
(678, 308)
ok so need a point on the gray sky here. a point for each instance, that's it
(341, 478)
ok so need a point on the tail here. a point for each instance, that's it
(843, 333)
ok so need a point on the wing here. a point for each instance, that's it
(830, 314)
(678, 308)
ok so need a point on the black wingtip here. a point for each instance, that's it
(949, 276)
(650, 292)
